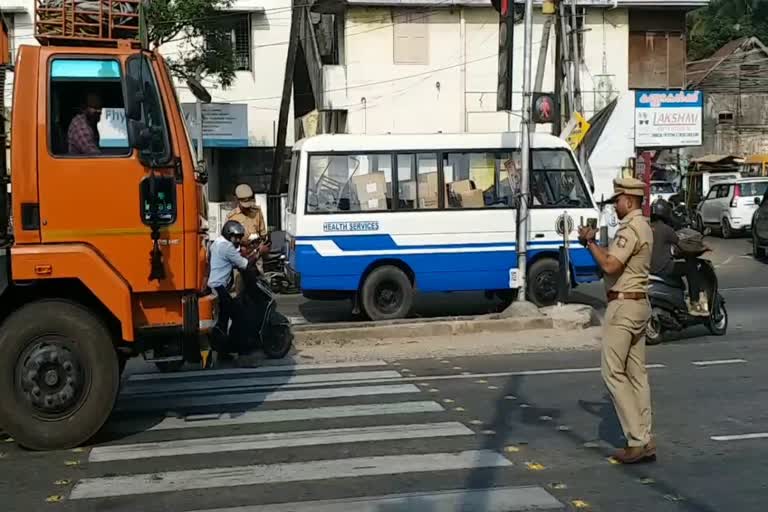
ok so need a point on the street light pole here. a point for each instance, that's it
(525, 148)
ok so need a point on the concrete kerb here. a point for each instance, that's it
(568, 317)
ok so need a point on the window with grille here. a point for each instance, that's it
(241, 41)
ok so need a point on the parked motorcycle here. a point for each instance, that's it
(669, 308)
(274, 265)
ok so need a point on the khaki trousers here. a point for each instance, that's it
(623, 367)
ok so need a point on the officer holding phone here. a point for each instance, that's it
(626, 264)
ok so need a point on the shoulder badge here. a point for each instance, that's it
(621, 242)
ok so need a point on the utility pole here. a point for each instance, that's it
(546, 31)
(578, 105)
(559, 74)
(297, 10)
(525, 149)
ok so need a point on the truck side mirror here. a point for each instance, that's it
(758, 201)
(139, 136)
(134, 98)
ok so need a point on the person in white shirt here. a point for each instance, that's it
(227, 254)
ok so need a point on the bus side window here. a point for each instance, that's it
(481, 180)
(349, 183)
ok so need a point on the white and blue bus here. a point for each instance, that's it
(366, 220)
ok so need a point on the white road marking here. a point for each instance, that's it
(726, 262)
(212, 478)
(280, 380)
(247, 371)
(176, 402)
(741, 437)
(279, 415)
(499, 499)
(209, 445)
(744, 288)
(564, 371)
(718, 362)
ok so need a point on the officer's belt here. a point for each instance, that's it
(626, 296)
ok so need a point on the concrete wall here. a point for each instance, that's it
(456, 90)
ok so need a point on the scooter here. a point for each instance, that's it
(669, 311)
(265, 326)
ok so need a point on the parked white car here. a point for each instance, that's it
(730, 205)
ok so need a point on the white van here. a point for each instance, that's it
(380, 217)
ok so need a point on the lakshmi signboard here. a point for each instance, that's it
(668, 118)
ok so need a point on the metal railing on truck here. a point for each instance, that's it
(87, 22)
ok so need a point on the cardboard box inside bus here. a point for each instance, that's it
(371, 190)
(472, 199)
(428, 190)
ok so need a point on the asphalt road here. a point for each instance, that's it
(487, 433)
(736, 269)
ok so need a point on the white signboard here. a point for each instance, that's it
(668, 118)
(225, 125)
(113, 129)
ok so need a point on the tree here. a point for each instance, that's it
(722, 21)
(204, 31)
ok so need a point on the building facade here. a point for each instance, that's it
(413, 66)
(735, 85)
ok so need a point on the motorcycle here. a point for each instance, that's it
(669, 311)
(274, 265)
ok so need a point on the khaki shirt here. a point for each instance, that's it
(253, 223)
(632, 246)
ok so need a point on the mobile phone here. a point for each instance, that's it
(592, 223)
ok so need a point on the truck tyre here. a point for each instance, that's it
(59, 375)
(542, 282)
(387, 294)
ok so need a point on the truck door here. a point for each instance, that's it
(90, 179)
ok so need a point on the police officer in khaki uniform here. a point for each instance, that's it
(249, 215)
(626, 265)
(248, 212)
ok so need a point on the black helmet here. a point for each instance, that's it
(232, 228)
(661, 210)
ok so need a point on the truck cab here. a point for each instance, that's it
(106, 257)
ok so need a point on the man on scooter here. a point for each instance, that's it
(666, 245)
(227, 254)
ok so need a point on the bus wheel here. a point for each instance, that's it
(542, 282)
(59, 375)
(387, 294)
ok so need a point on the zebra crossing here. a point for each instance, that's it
(317, 436)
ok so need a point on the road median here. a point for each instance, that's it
(570, 317)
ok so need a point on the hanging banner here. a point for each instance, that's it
(668, 118)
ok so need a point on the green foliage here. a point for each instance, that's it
(722, 21)
(203, 28)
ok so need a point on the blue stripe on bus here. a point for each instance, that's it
(386, 242)
(435, 272)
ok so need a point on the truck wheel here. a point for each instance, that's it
(387, 294)
(59, 375)
(542, 282)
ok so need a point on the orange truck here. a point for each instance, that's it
(105, 251)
